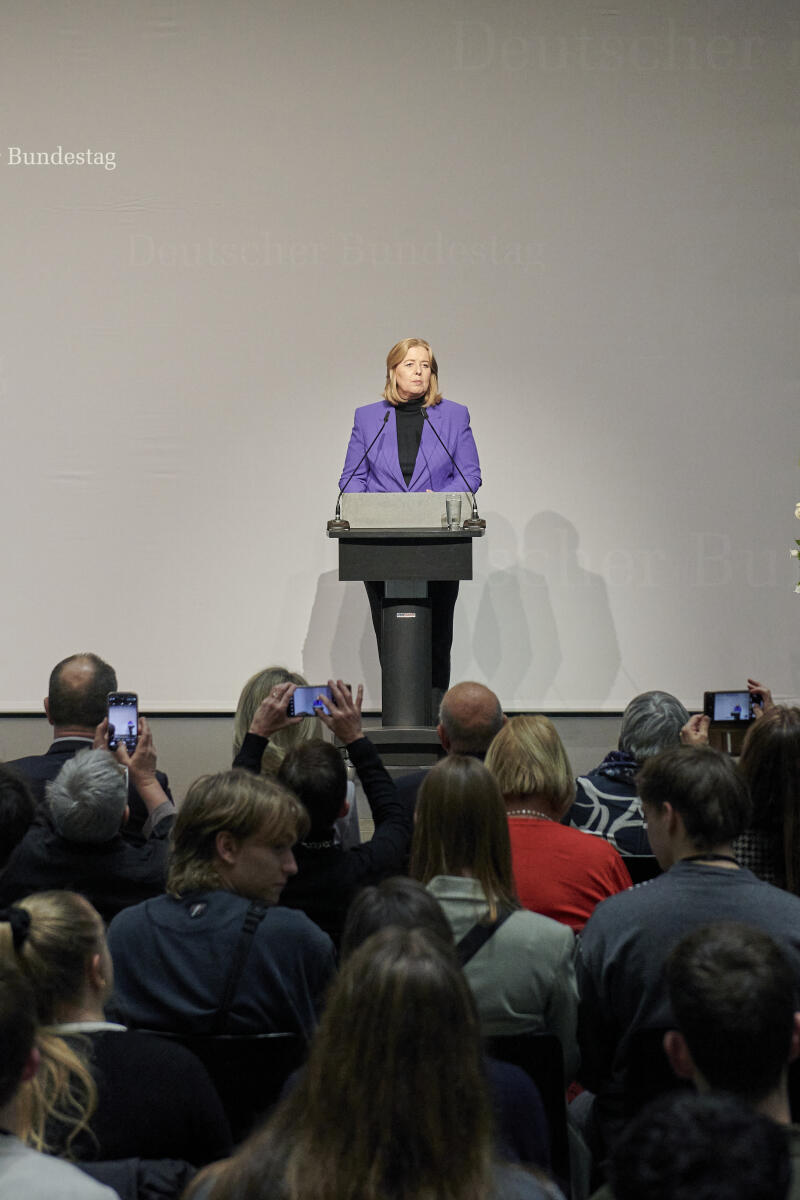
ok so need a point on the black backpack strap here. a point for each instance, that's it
(252, 919)
(478, 936)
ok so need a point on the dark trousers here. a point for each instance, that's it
(443, 594)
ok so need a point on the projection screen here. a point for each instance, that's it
(219, 217)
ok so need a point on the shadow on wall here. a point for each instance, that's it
(537, 628)
(340, 641)
(539, 625)
(514, 640)
(590, 655)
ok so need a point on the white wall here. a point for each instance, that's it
(590, 212)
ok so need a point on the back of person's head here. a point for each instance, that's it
(236, 802)
(398, 902)
(527, 758)
(50, 938)
(685, 1146)
(63, 933)
(257, 688)
(704, 787)
(461, 828)
(393, 1101)
(17, 1028)
(770, 762)
(732, 995)
(652, 722)
(470, 715)
(77, 698)
(17, 809)
(316, 773)
(88, 797)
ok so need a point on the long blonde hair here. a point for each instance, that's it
(393, 360)
(63, 935)
(254, 691)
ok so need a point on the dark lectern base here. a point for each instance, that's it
(404, 748)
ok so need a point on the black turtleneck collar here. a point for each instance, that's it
(409, 432)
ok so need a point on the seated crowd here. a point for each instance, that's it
(491, 915)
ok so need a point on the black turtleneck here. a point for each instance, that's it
(409, 432)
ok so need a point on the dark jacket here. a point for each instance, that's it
(328, 876)
(112, 875)
(39, 769)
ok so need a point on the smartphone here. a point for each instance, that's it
(123, 720)
(733, 708)
(304, 703)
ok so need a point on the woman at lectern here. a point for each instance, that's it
(394, 448)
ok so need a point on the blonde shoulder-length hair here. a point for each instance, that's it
(257, 688)
(395, 357)
(527, 758)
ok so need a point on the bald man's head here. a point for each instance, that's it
(469, 717)
(76, 696)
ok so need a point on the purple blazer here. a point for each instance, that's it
(433, 471)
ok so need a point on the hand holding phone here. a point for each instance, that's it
(275, 711)
(695, 731)
(342, 714)
(761, 696)
(142, 763)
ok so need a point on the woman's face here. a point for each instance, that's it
(413, 374)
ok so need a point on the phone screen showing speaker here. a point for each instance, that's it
(730, 706)
(123, 720)
(304, 701)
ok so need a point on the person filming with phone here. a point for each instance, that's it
(77, 841)
(76, 703)
(327, 874)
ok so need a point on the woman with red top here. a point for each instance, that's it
(558, 871)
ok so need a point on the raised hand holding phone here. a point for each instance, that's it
(342, 714)
(272, 713)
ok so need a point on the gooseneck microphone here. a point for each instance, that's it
(473, 522)
(338, 522)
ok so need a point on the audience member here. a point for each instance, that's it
(154, 1099)
(393, 1100)
(558, 871)
(521, 1129)
(264, 733)
(397, 902)
(327, 875)
(75, 705)
(77, 843)
(257, 689)
(17, 810)
(688, 1147)
(23, 1170)
(770, 763)
(217, 955)
(732, 992)
(606, 802)
(469, 717)
(522, 975)
(696, 803)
